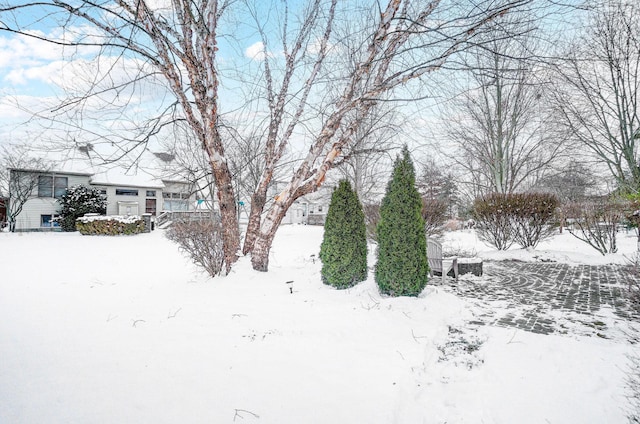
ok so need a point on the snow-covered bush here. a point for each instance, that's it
(402, 267)
(110, 225)
(202, 241)
(343, 251)
(77, 201)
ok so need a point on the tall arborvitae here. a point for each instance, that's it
(402, 266)
(344, 247)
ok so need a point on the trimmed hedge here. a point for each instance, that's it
(110, 225)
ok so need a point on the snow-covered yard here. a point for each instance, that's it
(126, 330)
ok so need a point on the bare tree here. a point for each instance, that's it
(597, 89)
(19, 175)
(499, 125)
(366, 159)
(572, 182)
(177, 43)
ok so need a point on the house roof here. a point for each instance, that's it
(149, 171)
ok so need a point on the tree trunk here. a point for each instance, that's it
(266, 233)
(228, 214)
(258, 200)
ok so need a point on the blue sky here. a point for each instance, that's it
(34, 74)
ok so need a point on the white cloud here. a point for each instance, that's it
(256, 51)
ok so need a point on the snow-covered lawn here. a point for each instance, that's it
(126, 330)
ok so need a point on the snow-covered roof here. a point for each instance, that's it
(150, 170)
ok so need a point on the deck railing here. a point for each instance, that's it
(173, 216)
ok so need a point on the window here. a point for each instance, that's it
(59, 186)
(175, 201)
(49, 221)
(52, 186)
(126, 192)
(151, 193)
(45, 187)
(175, 205)
(319, 208)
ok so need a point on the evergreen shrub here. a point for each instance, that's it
(343, 251)
(78, 201)
(402, 268)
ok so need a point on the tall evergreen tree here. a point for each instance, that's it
(402, 266)
(344, 247)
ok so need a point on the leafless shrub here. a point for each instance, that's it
(493, 223)
(596, 222)
(533, 217)
(434, 213)
(523, 218)
(202, 241)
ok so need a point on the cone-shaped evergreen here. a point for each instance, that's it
(344, 247)
(402, 266)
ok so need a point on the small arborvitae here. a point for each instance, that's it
(402, 268)
(344, 247)
(78, 201)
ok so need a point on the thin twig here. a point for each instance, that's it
(417, 337)
(137, 321)
(174, 314)
(238, 411)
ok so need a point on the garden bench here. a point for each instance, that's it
(438, 264)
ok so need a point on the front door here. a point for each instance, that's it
(150, 206)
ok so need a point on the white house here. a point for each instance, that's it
(125, 194)
(310, 209)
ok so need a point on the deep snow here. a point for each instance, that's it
(125, 330)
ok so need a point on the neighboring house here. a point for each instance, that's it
(310, 209)
(125, 194)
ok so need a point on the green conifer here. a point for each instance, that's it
(402, 266)
(77, 201)
(344, 247)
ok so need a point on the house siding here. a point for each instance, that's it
(35, 207)
(183, 197)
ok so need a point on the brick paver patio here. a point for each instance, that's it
(549, 298)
